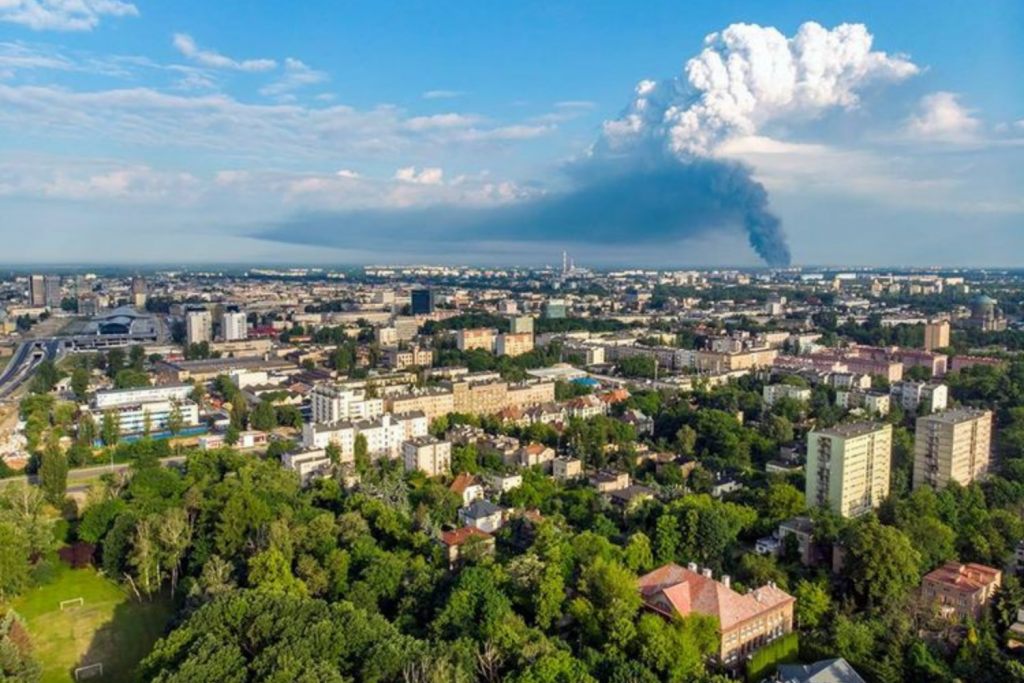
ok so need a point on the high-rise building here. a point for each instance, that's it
(481, 338)
(234, 324)
(936, 335)
(51, 291)
(521, 324)
(848, 467)
(422, 301)
(198, 326)
(140, 292)
(556, 309)
(37, 291)
(952, 446)
(514, 344)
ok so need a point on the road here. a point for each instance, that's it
(25, 362)
(87, 473)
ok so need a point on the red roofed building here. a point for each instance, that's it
(746, 622)
(455, 541)
(961, 590)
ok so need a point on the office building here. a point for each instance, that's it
(521, 324)
(936, 335)
(51, 291)
(140, 292)
(422, 301)
(234, 324)
(952, 446)
(514, 344)
(148, 407)
(37, 291)
(556, 309)
(746, 622)
(848, 467)
(480, 338)
(198, 326)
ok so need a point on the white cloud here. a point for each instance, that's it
(296, 75)
(748, 76)
(442, 122)
(214, 60)
(63, 15)
(427, 176)
(442, 94)
(941, 118)
(575, 104)
(348, 173)
(94, 180)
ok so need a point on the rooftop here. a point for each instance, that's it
(848, 431)
(956, 416)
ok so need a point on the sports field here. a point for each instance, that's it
(108, 628)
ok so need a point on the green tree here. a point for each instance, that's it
(264, 417)
(608, 604)
(880, 566)
(110, 428)
(53, 472)
(175, 420)
(15, 561)
(362, 455)
(813, 604)
(80, 382)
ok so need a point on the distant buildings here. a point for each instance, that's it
(429, 455)
(480, 338)
(848, 467)
(986, 315)
(234, 324)
(149, 407)
(936, 335)
(37, 291)
(774, 392)
(521, 324)
(422, 301)
(911, 396)
(514, 344)
(140, 292)
(198, 326)
(334, 403)
(952, 446)
(556, 309)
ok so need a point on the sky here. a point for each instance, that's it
(659, 133)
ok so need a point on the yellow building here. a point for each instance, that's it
(952, 446)
(848, 467)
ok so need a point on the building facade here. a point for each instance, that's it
(848, 467)
(952, 446)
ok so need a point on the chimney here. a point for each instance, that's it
(726, 580)
(692, 566)
(708, 574)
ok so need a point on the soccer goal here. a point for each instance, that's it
(74, 602)
(84, 673)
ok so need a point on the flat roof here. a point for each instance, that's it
(847, 431)
(956, 416)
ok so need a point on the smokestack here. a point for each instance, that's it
(726, 580)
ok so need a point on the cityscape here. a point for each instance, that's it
(725, 385)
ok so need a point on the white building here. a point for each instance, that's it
(912, 395)
(874, 402)
(427, 454)
(308, 464)
(113, 398)
(331, 403)
(234, 325)
(775, 392)
(198, 326)
(384, 435)
(135, 418)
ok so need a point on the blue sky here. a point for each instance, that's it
(176, 131)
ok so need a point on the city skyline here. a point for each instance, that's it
(140, 134)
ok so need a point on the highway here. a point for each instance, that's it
(25, 362)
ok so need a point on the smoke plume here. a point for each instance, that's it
(652, 176)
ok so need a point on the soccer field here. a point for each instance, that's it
(107, 628)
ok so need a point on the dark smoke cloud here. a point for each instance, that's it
(613, 202)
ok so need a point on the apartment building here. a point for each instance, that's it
(952, 446)
(873, 402)
(401, 359)
(384, 435)
(514, 344)
(848, 467)
(198, 326)
(485, 396)
(234, 325)
(137, 410)
(775, 392)
(912, 395)
(714, 362)
(429, 455)
(335, 403)
(433, 403)
(746, 622)
(479, 338)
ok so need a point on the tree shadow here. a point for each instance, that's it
(125, 640)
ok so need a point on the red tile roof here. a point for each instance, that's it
(463, 535)
(966, 578)
(462, 482)
(674, 589)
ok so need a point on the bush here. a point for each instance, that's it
(783, 651)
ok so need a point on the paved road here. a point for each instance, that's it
(86, 473)
(25, 362)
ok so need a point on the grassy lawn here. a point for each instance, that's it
(109, 628)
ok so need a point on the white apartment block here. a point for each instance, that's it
(124, 397)
(331, 403)
(134, 418)
(776, 392)
(234, 326)
(308, 464)
(848, 467)
(952, 446)
(873, 402)
(912, 395)
(431, 456)
(384, 435)
(198, 326)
